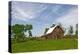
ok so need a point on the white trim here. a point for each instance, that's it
(51, 29)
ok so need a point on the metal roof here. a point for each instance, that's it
(51, 29)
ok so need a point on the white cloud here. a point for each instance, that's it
(21, 14)
(24, 11)
(71, 18)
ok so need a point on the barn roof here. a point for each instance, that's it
(51, 29)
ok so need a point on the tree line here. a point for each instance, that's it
(18, 31)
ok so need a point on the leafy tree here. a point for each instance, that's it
(76, 32)
(52, 25)
(18, 30)
(76, 29)
(46, 29)
(30, 33)
(70, 30)
(29, 28)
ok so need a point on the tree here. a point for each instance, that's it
(46, 29)
(29, 28)
(30, 33)
(52, 25)
(70, 30)
(18, 30)
(76, 29)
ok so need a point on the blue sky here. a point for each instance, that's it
(43, 15)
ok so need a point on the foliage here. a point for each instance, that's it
(70, 30)
(52, 25)
(46, 29)
(76, 29)
(29, 28)
(19, 30)
(30, 33)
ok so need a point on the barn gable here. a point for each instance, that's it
(55, 32)
(51, 29)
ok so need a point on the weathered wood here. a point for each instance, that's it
(57, 33)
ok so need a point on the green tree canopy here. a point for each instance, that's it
(28, 28)
(70, 32)
(46, 29)
(76, 29)
(18, 30)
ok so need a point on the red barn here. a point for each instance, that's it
(55, 32)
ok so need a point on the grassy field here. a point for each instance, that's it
(44, 45)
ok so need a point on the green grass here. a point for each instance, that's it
(44, 45)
